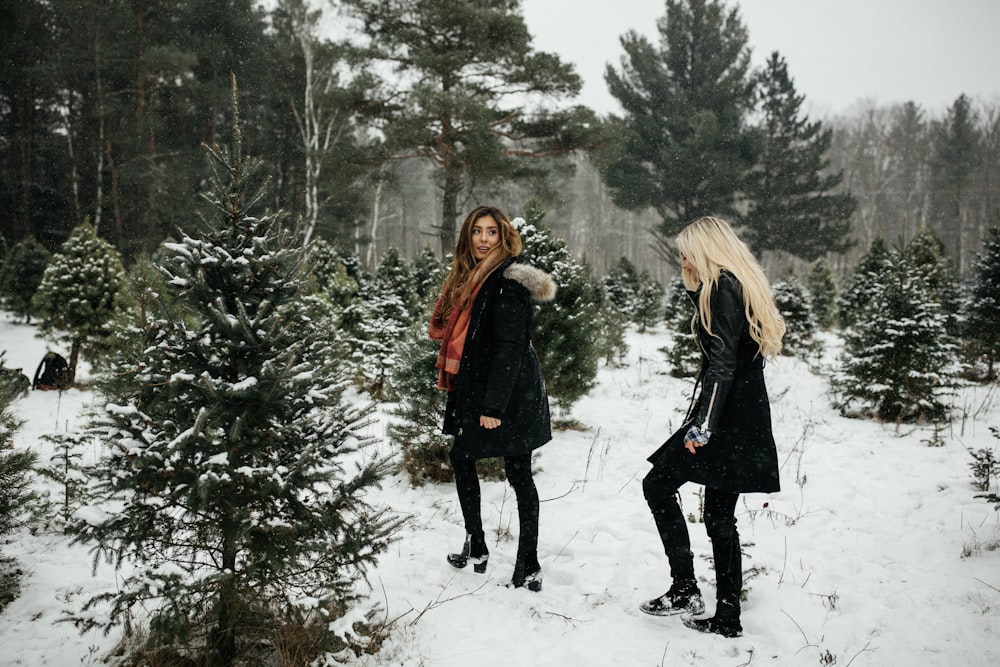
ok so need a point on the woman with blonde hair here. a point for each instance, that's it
(497, 405)
(725, 442)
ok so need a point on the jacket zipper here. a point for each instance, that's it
(711, 404)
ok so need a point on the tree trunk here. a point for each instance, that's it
(74, 357)
(225, 632)
(449, 208)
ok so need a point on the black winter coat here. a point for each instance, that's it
(499, 375)
(740, 455)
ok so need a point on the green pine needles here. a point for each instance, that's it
(234, 485)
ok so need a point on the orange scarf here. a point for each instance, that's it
(452, 336)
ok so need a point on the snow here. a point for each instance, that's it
(876, 551)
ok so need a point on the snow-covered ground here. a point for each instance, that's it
(862, 559)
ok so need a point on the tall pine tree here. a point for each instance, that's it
(792, 204)
(234, 481)
(683, 145)
(982, 324)
(469, 93)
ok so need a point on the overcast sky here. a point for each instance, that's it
(838, 51)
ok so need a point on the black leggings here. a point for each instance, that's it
(660, 488)
(518, 470)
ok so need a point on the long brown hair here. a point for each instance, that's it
(711, 245)
(465, 268)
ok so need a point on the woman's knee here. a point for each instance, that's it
(656, 486)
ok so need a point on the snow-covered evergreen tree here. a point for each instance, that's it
(683, 351)
(394, 276)
(77, 298)
(823, 289)
(20, 276)
(429, 274)
(870, 271)
(236, 473)
(621, 286)
(982, 321)
(16, 494)
(926, 253)
(329, 270)
(795, 304)
(898, 359)
(565, 330)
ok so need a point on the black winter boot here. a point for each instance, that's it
(682, 598)
(473, 550)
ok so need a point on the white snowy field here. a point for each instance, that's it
(876, 551)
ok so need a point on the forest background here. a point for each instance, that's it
(385, 138)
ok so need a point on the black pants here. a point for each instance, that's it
(660, 488)
(518, 470)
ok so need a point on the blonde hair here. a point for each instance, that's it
(466, 269)
(710, 245)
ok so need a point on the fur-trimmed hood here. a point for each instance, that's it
(539, 284)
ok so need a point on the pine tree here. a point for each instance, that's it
(394, 276)
(235, 481)
(823, 290)
(982, 324)
(21, 275)
(682, 146)
(621, 286)
(792, 207)
(683, 352)
(796, 307)
(956, 153)
(16, 494)
(926, 253)
(870, 271)
(648, 302)
(429, 274)
(898, 360)
(467, 91)
(417, 432)
(566, 329)
(77, 297)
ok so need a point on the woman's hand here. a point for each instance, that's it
(696, 437)
(488, 422)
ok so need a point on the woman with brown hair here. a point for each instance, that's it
(497, 404)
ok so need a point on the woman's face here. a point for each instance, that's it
(689, 271)
(485, 236)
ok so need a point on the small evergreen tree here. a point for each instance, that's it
(234, 481)
(331, 274)
(870, 272)
(823, 290)
(621, 286)
(3, 251)
(648, 310)
(417, 433)
(898, 359)
(683, 352)
(394, 276)
(16, 494)
(565, 330)
(795, 304)
(77, 297)
(429, 275)
(926, 253)
(982, 322)
(21, 274)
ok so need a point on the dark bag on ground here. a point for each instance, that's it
(52, 373)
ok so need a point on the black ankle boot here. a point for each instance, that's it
(478, 554)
